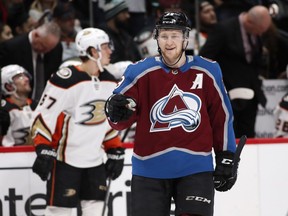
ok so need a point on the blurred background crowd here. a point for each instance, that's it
(39, 35)
(130, 24)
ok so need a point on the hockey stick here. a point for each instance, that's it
(237, 154)
(125, 134)
(109, 182)
(107, 196)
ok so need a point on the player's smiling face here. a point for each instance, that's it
(170, 42)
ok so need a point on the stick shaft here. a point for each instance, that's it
(107, 196)
(239, 149)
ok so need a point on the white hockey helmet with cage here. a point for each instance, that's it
(90, 37)
(7, 74)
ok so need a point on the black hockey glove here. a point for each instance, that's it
(119, 107)
(4, 121)
(115, 162)
(44, 161)
(223, 177)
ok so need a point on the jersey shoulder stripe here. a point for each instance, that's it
(68, 76)
(211, 67)
(6, 105)
(141, 66)
(33, 104)
(137, 70)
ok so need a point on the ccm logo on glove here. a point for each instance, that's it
(227, 161)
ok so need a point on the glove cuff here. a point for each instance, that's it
(116, 153)
(45, 150)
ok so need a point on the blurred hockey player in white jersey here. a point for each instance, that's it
(71, 133)
(146, 44)
(15, 86)
(281, 118)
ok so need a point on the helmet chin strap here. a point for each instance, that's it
(98, 62)
(171, 65)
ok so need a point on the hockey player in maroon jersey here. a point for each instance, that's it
(71, 132)
(183, 114)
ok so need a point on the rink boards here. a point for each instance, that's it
(261, 189)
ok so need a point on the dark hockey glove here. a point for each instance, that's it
(119, 107)
(44, 161)
(115, 162)
(223, 177)
(4, 121)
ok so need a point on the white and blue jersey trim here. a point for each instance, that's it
(173, 163)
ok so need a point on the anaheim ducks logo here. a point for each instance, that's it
(102, 187)
(69, 192)
(3, 103)
(86, 32)
(93, 112)
(21, 135)
(64, 73)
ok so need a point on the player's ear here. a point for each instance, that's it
(93, 52)
(36, 35)
(9, 87)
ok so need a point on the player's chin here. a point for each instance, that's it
(171, 55)
(28, 90)
(106, 62)
(27, 87)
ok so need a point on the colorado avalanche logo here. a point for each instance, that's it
(178, 109)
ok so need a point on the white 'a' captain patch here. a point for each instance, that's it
(198, 82)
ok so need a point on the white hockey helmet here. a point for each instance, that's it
(72, 61)
(90, 37)
(7, 74)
